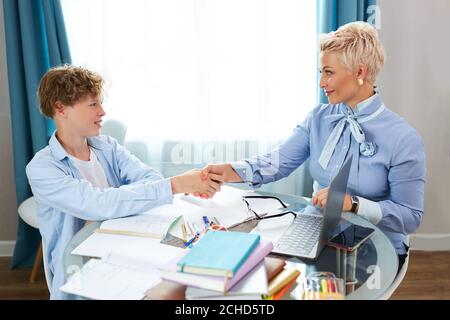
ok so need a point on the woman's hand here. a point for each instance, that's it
(220, 173)
(320, 199)
(193, 181)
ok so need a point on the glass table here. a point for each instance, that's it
(367, 271)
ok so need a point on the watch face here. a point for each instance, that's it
(355, 203)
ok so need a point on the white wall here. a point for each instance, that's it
(415, 84)
(8, 208)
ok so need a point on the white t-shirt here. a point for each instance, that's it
(92, 170)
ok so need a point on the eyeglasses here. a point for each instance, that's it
(260, 216)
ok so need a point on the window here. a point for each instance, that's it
(186, 69)
(201, 81)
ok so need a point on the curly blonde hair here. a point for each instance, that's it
(356, 42)
(67, 84)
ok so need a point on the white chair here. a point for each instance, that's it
(47, 272)
(28, 212)
(139, 149)
(398, 279)
(115, 129)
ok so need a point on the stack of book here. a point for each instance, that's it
(222, 264)
(280, 285)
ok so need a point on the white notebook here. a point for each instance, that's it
(98, 245)
(100, 280)
(251, 287)
(124, 273)
(154, 223)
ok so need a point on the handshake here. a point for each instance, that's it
(206, 182)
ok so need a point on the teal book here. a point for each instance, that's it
(219, 253)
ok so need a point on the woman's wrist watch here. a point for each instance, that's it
(355, 204)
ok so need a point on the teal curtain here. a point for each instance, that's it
(35, 41)
(331, 14)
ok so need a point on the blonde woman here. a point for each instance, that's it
(387, 178)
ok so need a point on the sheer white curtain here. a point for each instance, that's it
(200, 71)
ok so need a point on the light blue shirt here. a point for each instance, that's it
(390, 183)
(65, 200)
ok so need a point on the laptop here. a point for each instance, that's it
(309, 232)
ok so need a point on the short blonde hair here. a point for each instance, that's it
(67, 84)
(356, 42)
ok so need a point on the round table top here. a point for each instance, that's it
(373, 266)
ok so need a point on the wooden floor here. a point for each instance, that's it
(15, 284)
(428, 277)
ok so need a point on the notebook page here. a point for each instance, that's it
(103, 281)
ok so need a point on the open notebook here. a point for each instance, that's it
(154, 223)
(125, 273)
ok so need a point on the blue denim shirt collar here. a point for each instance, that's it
(60, 153)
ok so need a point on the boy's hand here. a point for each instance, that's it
(220, 173)
(193, 181)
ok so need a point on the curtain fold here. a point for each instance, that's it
(35, 41)
(331, 14)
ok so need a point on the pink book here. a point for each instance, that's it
(222, 284)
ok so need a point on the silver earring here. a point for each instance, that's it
(360, 82)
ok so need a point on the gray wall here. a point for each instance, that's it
(415, 84)
(8, 208)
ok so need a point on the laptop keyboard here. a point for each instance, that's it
(301, 236)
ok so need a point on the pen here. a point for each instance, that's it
(313, 289)
(206, 221)
(331, 287)
(187, 244)
(183, 230)
(335, 286)
(197, 232)
(324, 284)
(190, 229)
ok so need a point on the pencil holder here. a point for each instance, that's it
(323, 286)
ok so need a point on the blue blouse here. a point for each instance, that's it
(388, 166)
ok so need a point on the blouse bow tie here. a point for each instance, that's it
(366, 148)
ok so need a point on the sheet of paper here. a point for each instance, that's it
(98, 245)
(253, 284)
(155, 221)
(146, 258)
(272, 229)
(227, 206)
(104, 281)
